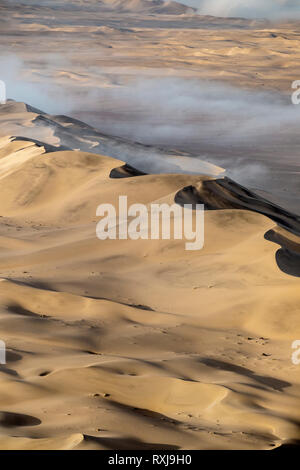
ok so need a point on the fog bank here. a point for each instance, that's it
(270, 9)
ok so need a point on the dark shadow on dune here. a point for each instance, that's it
(19, 310)
(255, 386)
(125, 171)
(9, 420)
(270, 382)
(152, 416)
(12, 356)
(190, 195)
(141, 307)
(11, 372)
(156, 416)
(45, 373)
(288, 262)
(33, 318)
(293, 445)
(116, 443)
(138, 306)
(227, 194)
(31, 283)
(287, 259)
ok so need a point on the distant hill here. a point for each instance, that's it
(146, 6)
(117, 6)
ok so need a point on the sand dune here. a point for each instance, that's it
(124, 344)
(141, 344)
